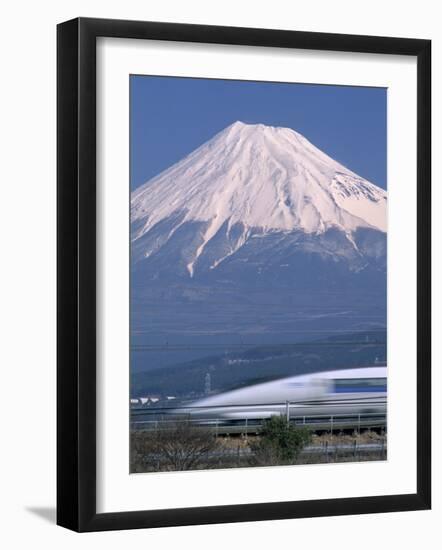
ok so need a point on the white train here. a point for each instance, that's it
(343, 394)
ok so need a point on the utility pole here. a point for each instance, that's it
(207, 384)
(287, 411)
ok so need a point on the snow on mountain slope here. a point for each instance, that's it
(251, 179)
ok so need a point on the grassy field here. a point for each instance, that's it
(237, 452)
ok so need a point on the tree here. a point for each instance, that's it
(174, 445)
(279, 442)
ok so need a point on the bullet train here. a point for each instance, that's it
(340, 393)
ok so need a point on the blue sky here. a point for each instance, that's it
(170, 117)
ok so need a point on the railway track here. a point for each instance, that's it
(316, 423)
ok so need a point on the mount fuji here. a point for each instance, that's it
(257, 215)
(255, 189)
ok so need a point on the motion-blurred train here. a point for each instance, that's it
(346, 395)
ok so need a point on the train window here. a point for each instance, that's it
(356, 385)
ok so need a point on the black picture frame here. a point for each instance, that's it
(77, 287)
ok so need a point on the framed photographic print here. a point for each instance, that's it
(243, 274)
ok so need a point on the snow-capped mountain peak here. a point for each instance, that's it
(252, 179)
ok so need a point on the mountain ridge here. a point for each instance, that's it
(254, 364)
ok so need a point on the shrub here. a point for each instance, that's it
(280, 442)
(175, 445)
